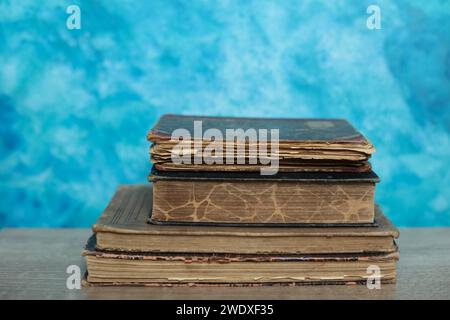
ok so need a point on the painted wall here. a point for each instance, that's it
(76, 104)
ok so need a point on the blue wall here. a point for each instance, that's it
(76, 104)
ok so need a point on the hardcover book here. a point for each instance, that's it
(248, 198)
(123, 227)
(159, 269)
(302, 144)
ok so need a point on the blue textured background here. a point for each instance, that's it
(76, 104)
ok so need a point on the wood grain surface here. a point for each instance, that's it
(33, 266)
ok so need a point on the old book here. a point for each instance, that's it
(248, 198)
(119, 268)
(303, 144)
(123, 227)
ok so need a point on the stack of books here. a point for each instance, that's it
(242, 201)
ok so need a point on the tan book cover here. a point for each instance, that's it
(119, 268)
(249, 199)
(123, 227)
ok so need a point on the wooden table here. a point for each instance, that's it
(33, 265)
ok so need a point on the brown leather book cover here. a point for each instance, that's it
(123, 227)
(291, 130)
(332, 145)
(125, 268)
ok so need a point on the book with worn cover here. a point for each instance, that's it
(123, 227)
(247, 198)
(160, 269)
(303, 144)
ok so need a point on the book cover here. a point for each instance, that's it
(247, 198)
(331, 145)
(123, 227)
(119, 268)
